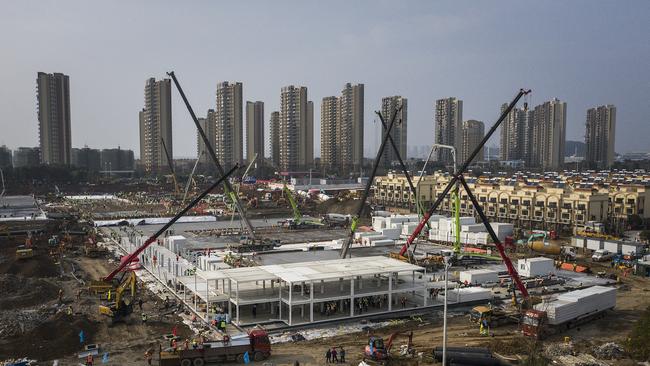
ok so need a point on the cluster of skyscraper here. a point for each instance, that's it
(55, 134)
(537, 136)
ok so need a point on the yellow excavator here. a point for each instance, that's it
(122, 307)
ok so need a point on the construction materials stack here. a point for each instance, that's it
(577, 304)
(479, 276)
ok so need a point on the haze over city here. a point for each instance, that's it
(481, 52)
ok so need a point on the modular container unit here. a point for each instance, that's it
(479, 276)
(382, 213)
(366, 240)
(469, 294)
(578, 242)
(502, 229)
(391, 233)
(533, 267)
(378, 223)
(635, 249)
(382, 243)
(577, 304)
(473, 228)
(175, 243)
(594, 244)
(612, 246)
(409, 228)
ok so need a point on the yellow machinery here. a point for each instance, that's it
(121, 307)
(24, 253)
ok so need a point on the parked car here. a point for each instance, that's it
(602, 255)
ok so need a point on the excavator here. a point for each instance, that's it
(378, 351)
(299, 221)
(122, 307)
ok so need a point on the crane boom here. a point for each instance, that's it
(355, 220)
(171, 165)
(458, 176)
(294, 206)
(171, 222)
(227, 186)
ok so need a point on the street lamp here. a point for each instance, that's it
(446, 258)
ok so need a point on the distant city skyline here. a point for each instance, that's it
(475, 59)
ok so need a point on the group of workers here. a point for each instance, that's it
(332, 356)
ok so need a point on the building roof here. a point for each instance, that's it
(313, 271)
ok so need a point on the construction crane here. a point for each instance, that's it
(298, 220)
(458, 177)
(171, 167)
(345, 248)
(131, 257)
(226, 183)
(232, 218)
(190, 179)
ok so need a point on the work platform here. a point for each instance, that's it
(294, 293)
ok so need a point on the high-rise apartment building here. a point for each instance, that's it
(349, 131)
(229, 129)
(515, 135)
(599, 136)
(254, 130)
(274, 138)
(473, 133)
(548, 127)
(117, 159)
(388, 107)
(208, 124)
(329, 115)
(5, 157)
(156, 126)
(53, 96)
(27, 157)
(296, 129)
(87, 158)
(449, 127)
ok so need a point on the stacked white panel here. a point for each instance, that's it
(479, 276)
(576, 304)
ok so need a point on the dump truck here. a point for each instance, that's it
(494, 316)
(256, 344)
(568, 310)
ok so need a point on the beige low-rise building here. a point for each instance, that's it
(553, 205)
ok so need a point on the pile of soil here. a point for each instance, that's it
(56, 338)
(40, 265)
(18, 292)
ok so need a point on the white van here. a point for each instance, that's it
(602, 255)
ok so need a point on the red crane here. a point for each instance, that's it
(512, 271)
(171, 222)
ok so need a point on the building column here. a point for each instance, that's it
(230, 299)
(280, 301)
(352, 296)
(237, 297)
(290, 291)
(390, 292)
(311, 302)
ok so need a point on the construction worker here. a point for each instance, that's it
(144, 318)
(89, 360)
(148, 356)
(60, 295)
(108, 296)
(69, 311)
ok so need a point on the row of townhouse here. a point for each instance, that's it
(548, 205)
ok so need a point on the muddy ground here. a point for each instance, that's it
(33, 323)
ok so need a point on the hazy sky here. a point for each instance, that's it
(586, 53)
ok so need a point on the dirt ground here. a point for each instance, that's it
(33, 323)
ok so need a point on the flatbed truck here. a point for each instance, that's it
(256, 344)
